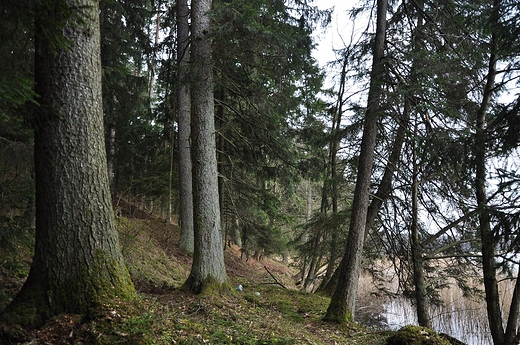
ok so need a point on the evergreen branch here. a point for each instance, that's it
(448, 227)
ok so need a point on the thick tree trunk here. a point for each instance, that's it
(184, 103)
(343, 301)
(208, 256)
(77, 262)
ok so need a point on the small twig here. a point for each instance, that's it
(272, 276)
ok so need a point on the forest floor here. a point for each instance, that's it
(269, 310)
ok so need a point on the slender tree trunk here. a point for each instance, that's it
(334, 175)
(315, 258)
(184, 103)
(343, 302)
(311, 273)
(208, 256)
(488, 242)
(77, 262)
(169, 210)
(309, 200)
(385, 185)
(221, 147)
(421, 297)
(236, 235)
(383, 192)
(153, 61)
(333, 157)
(512, 337)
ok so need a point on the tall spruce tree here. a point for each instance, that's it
(134, 133)
(208, 255)
(77, 263)
(500, 25)
(183, 105)
(265, 74)
(342, 305)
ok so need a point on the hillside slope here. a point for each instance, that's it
(268, 310)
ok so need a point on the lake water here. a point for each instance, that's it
(468, 325)
(460, 317)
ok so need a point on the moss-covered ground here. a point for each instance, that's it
(269, 309)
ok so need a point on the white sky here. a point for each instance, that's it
(338, 33)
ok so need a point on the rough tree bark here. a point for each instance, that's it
(183, 99)
(77, 263)
(208, 255)
(343, 301)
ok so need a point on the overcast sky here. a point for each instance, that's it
(338, 32)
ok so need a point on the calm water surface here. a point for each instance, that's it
(461, 317)
(468, 325)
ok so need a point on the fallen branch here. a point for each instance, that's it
(272, 276)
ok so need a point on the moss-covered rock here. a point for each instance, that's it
(452, 340)
(415, 335)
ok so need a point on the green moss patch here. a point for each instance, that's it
(415, 335)
(148, 247)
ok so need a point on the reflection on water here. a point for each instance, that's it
(460, 317)
(468, 325)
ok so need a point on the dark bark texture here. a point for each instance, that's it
(77, 263)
